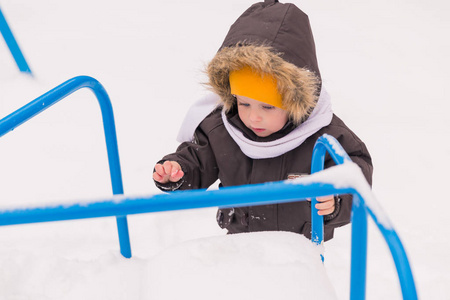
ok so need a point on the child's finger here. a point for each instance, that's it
(324, 212)
(167, 167)
(160, 170)
(322, 199)
(157, 177)
(325, 198)
(174, 171)
(176, 175)
(168, 171)
(325, 205)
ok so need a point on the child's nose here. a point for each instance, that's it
(255, 116)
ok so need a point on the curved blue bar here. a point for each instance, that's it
(12, 45)
(53, 96)
(326, 143)
(401, 261)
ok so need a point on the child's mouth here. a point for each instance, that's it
(259, 130)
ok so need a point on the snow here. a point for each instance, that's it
(254, 266)
(385, 65)
(336, 147)
(349, 175)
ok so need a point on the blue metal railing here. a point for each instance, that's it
(12, 45)
(324, 144)
(317, 185)
(257, 194)
(360, 209)
(328, 144)
(48, 99)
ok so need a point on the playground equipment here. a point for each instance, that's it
(12, 45)
(53, 96)
(346, 178)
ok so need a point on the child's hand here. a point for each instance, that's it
(325, 205)
(168, 171)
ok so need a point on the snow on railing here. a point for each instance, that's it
(364, 202)
(324, 144)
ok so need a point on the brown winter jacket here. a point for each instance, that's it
(274, 38)
(214, 155)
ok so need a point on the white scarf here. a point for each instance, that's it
(319, 118)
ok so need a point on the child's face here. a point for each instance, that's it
(263, 119)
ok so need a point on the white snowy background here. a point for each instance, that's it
(385, 64)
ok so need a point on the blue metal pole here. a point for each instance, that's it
(317, 164)
(113, 159)
(257, 194)
(402, 265)
(12, 45)
(400, 258)
(53, 96)
(358, 250)
(326, 143)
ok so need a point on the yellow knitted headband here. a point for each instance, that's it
(245, 82)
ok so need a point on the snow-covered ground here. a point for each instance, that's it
(384, 63)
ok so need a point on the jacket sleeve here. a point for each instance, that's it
(359, 154)
(197, 161)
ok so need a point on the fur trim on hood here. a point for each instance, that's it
(299, 87)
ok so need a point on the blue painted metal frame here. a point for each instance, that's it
(324, 144)
(259, 194)
(327, 143)
(13, 46)
(48, 99)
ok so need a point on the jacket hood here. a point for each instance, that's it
(274, 38)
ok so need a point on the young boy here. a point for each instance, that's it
(272, 109)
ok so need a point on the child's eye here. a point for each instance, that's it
(268, 107)
(243, 104)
